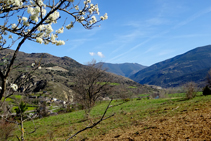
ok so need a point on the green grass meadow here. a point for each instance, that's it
(62, 126)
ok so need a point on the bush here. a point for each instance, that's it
(206, 91)
(70, 110)
(126, 99)
(6, 130)
(80, 107)
(190, 90)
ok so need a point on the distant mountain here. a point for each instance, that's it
(124, 69)
(190, 66)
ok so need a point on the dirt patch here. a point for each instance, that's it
(56, 68)
(188, 125)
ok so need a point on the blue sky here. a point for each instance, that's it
(137, 31)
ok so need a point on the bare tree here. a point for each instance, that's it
(21, 118)
(91, 83)
(190, 90)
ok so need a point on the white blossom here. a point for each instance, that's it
(101, 17)
(97, 9)
(69, 26)
(53, 37)
(61, 30)
(94, 20)
(90, 11)
(23, 76)
(39, 40)
(31, 2)
(46, 42)
(30, 10)
(60, 42)
(43, 12)
(76, 7)
(24, 19)
(39, 67)
(33, 64)
(40, 27)
(34, 10)
(40, 34)
(49, 29)
(81, 18)
(14, 26)
(37, 9)
(26, 23)
(40, 3)
(53, 17)
(105, 16)
(90, 22)
(14, 87)
(34, 17)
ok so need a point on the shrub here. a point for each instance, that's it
(70, 110)
(80, 107)
(6, 130)
(206, 91)
(190, 90)
(139, 98)
(126, 99)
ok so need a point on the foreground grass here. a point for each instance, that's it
(130, 113)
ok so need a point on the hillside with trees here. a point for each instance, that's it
(59, 73)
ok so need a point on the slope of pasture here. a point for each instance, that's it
(188, 124)
(150, 119)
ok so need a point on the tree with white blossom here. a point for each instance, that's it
(34, 20)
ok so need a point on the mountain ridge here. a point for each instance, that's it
(165, 73)
(123, 69)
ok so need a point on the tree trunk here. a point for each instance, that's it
(22, 129)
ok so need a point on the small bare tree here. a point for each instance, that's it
(91, 83)
(190, 90)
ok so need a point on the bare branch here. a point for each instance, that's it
(96, 123)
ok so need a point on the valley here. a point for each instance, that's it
(141, 111)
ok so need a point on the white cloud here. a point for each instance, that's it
(100, 54)
(92, 53)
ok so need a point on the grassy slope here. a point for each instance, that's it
(128, 115)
